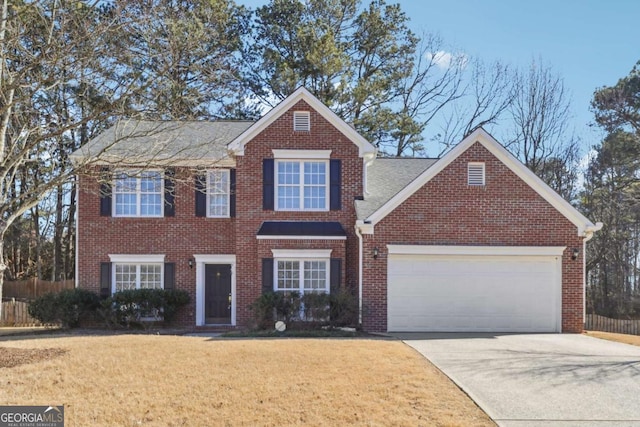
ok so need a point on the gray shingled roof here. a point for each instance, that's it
(385, 178)
(136, 141)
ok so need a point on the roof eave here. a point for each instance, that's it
(116, 161)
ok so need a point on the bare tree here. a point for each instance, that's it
(540, 113)
(51, 49)
(435, 82)
(488, 93)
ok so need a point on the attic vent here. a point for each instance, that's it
(301, 121)
(475, 174)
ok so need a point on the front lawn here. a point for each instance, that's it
(131, 380)
(623, 338)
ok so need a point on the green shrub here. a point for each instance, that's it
(315, 307)
(272, 306)
(139, 307)
(310, 311)
(68, 307)
(343, 309)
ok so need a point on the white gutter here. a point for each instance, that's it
(589, 230)
(357, 229)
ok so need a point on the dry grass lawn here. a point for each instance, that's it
(624, 338)
(132, 380)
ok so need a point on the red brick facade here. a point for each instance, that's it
(250, 215)
(445, 211)
(178, 237)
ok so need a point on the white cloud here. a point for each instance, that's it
(446, 60)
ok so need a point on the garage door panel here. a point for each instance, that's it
(473, 293)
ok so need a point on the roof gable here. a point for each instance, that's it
(365, 148)
(584, 225)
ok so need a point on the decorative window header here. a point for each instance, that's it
(301, 253)
(136, 258)
(301, 154)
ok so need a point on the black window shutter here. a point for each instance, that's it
(335, 275)
(105, 193)
(267, 275)
(335, 185)
(169, 275)
(105, 279)
(201, 195)
(268, 186)
(232, 190)
(169, 192)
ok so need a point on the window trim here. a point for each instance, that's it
(138, 193)
(137, 260)
(301, 185)
(279, 154)
(301, 253)
(472, 165)
(228, 193)
(301, 260)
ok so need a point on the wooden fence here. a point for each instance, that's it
(594, 322)
(33, 288)
(15, 313)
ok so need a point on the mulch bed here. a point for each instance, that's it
(11, 357)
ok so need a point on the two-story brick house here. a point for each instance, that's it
(298, 201)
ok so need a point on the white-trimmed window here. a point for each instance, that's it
(302, 185)
(137, 272)
(301, 121)
(303, 271)
(138, 194)
(218, 190)
(475, 174)
(302, 275)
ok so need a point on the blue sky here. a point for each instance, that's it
(590, 43)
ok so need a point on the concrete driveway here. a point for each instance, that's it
(540, 380)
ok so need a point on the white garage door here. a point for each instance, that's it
(474, 289)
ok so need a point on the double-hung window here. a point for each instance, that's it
(218, 190)
(302, 185)
(138, 194)
(303, 276)
(137, 272)
(137, 276)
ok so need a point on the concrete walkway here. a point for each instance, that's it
(541, 380)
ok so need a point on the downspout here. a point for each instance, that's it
(588, 235)
(360, 258)
(76, 267)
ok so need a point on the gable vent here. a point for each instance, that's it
(475, 174)
(301, 121)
